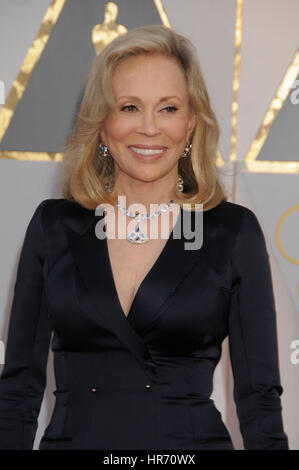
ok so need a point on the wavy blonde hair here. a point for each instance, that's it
(85, 173)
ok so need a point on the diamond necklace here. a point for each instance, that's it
(137, 236)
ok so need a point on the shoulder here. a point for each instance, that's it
(233, 216)
(52, 210)
(59, 207)
(57, 204)
(230, 209)
(64, 212)
(249, 241)
(236, 223)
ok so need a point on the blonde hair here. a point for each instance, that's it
(84, 173)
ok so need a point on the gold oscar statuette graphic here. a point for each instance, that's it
(103, 33)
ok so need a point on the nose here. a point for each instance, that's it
(148, 124)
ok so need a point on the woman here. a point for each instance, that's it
(138, 320)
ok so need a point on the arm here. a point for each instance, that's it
(23, 377)
(253, 341)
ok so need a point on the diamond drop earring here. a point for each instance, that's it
(104, 152)
(187, 150)
(180, 185)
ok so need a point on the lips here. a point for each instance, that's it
(150, 147)
(146, 152)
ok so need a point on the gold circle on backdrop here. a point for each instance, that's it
(278, 228)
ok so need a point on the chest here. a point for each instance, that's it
(130, 263)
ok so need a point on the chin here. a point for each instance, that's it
(151, 174)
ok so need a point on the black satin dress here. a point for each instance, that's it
(143, 381)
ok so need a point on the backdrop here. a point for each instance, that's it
(249, 55)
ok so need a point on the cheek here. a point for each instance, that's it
(176, 131)
(118, 129)
(177, 135)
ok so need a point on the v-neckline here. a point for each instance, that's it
(144, 280)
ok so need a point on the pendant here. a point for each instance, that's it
(137, 236)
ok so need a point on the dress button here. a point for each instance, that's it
(93, 389)
(147, 385)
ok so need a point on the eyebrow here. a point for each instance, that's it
(165, 98)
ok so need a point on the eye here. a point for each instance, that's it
(172, 108)
(128, 106)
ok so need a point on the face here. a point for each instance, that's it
(151, 111)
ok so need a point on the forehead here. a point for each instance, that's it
(149, 74)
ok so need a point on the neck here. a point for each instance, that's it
(131, 191)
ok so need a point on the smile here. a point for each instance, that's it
(147, 151)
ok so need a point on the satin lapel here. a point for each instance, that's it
(170, 269)
(89, 255)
